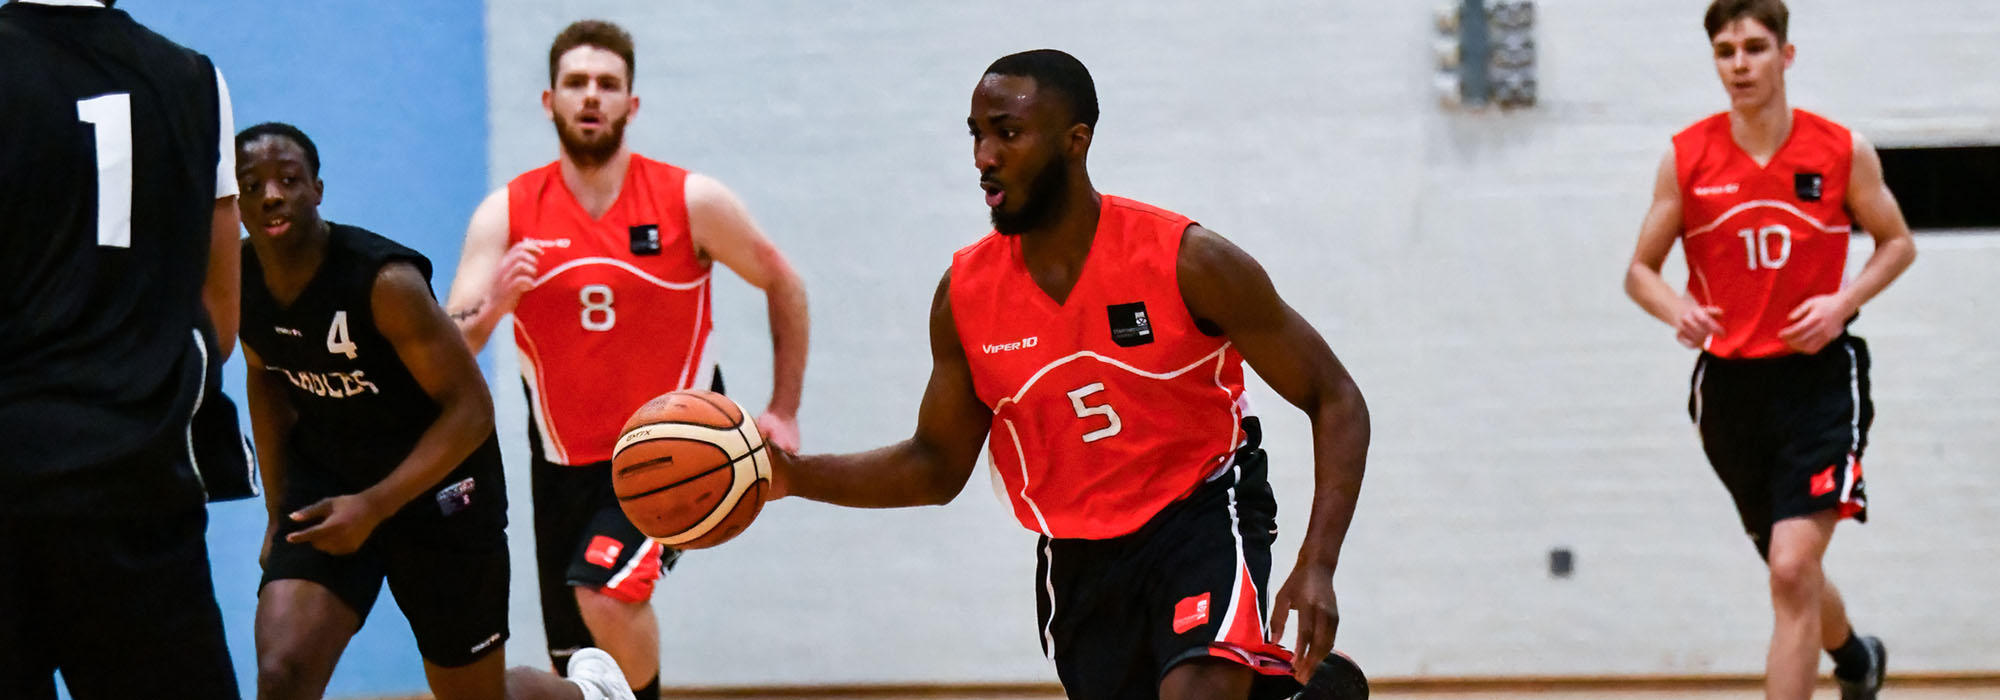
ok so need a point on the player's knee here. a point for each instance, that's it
(1206, 679)
(1795, 576)
(284, 674)
(601, 602)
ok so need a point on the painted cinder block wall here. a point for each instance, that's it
(1466, 266)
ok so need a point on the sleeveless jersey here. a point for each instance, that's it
(620, 311)
(360, 411)
(109, 144)
(1108, 406)
(1761, 240)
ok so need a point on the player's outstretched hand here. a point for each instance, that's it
(1696, 324)
(779, 430)
(1309, 590)
(515, 275)
(1816, 322)
(344, 523)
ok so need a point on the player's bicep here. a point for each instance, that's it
(1223, 286)
(479, 259)
(426, 341)
(723, 231)
(1662, 225)
(951, 421)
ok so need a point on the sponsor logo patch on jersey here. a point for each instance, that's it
(645, 239)
(1713, 190)
(603, 551)
(1808, 185)
(1129, 325)
(1190, 613)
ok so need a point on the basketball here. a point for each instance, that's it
(689, 470)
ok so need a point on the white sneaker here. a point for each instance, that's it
(594, 671)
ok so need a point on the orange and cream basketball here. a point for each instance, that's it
(689, 470)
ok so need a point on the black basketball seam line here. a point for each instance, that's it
(729, 463)
(762, 443)
(677, 484)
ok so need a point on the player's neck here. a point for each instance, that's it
(596, 187)
(290, 263)
(1761, 130)
(1055, 254)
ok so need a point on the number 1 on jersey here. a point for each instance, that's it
(110, 119)
(1076, 399)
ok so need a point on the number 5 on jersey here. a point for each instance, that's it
(1076, 400)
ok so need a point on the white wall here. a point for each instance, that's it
(1466, 267)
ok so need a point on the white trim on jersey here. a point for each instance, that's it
(67, 3)
(1767, 204)
(538, 410)
(200, 393)
(1032, 506)
(698, 340)
(225, 144)
(626, 266)
(1037, 376)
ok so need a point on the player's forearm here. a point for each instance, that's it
(1646, 287)
(897, 476)
(790, 331)
(272, 428)
(475, 320)
(1340, 430)
(461, 428)
(220, 290)
(1890, 259)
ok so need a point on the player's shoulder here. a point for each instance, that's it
(1703, 130)
(375, 253)
(1141, 212)
(537, 177)
(1826, 131)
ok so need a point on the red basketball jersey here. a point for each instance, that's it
(620, 311)
(1762, 239)
(1108, 406)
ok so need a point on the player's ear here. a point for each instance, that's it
(318, 190)
(633, 111)
(549, 103)
(1077, 141)
(1791, 51)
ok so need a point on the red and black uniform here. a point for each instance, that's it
(1784, 430)
(1120, 432)
(618, 315)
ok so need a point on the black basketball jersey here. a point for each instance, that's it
(360, 411)
(109, 137)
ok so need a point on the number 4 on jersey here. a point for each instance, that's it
(338, 341)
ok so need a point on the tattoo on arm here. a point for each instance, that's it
(461, 315)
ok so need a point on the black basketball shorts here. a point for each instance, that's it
(1785, 434)
(448, 570)
(1116, 615)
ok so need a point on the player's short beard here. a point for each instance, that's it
(1044, 197)
(590, 153)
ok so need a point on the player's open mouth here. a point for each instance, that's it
(994, 194)
(277, 226)
(589, 120)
